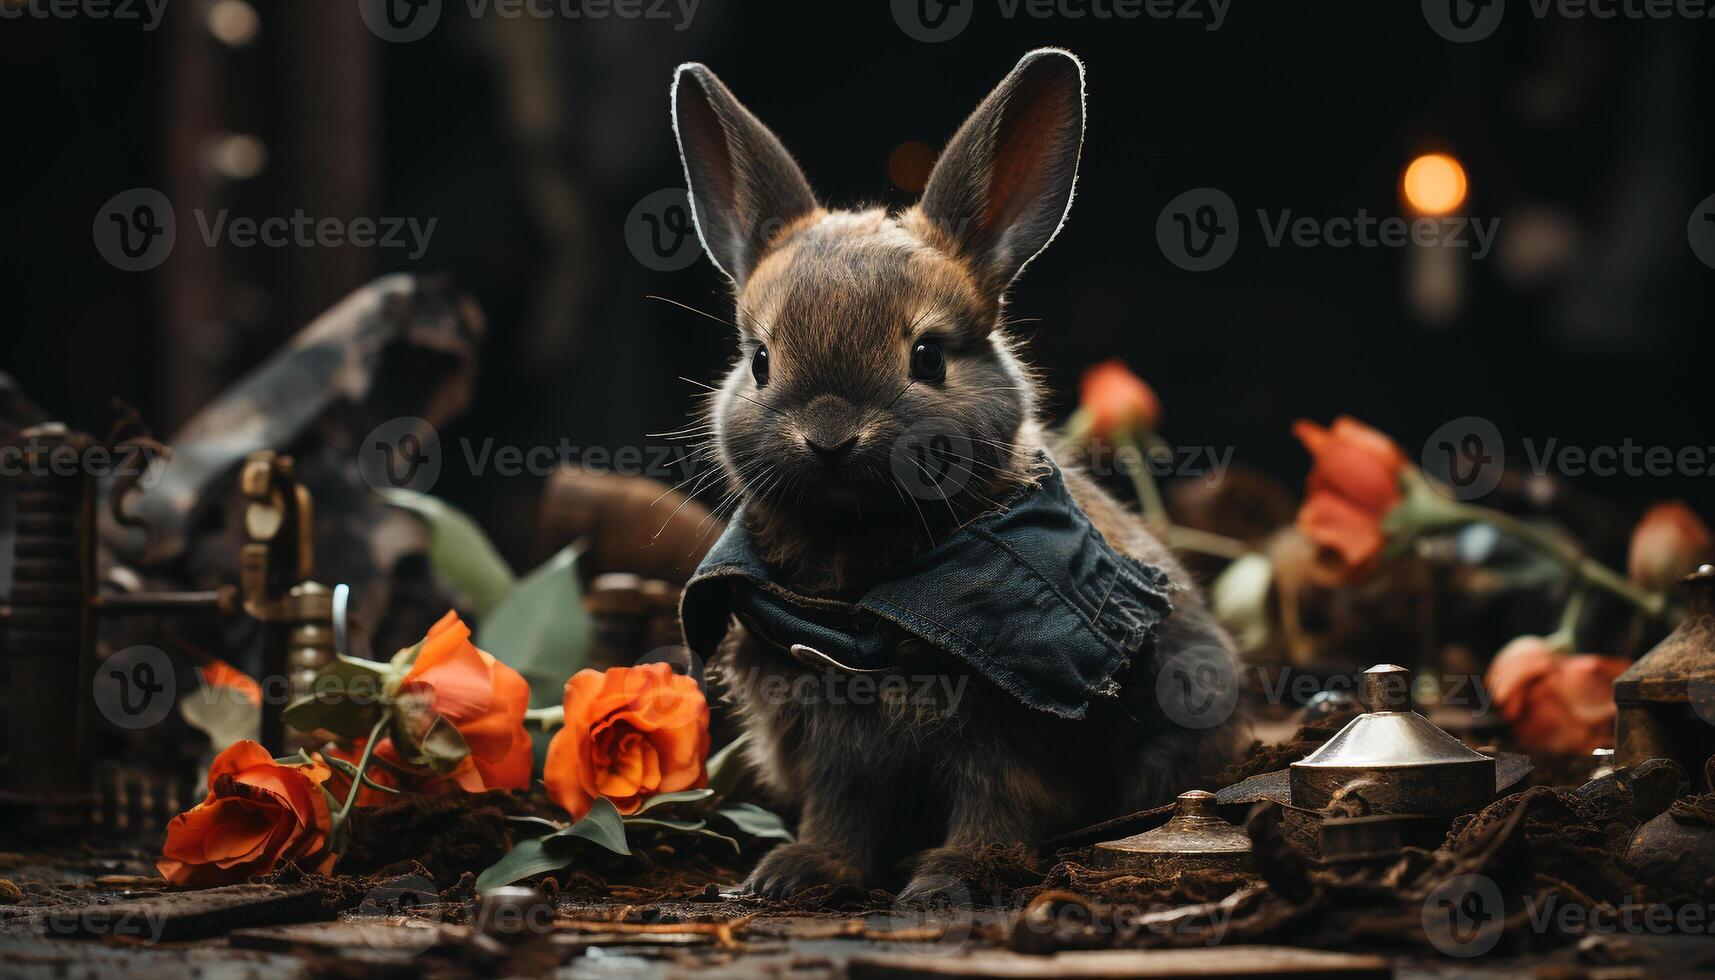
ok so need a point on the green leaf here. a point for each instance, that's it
(460, 553)
(711, 835)
(534, 856)
(543, 823)
(727, 766)
(665, 822)
(343, 717)
(603, 825)
(754, 820)
(682, 796)
(541, 629)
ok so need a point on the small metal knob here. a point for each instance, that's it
(1387, 687)
(1197, 803)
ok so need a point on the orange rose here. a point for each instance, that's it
(1555, 702)
(481, 697)
(258, 814)
(631, 732)
(1354, 482)
(1667, 544)
(1117, 399)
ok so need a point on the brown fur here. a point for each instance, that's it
(840, 299)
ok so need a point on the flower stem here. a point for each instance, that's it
(1565, 636)
(362, 767)
(1206, 542)
(1587, 570)
(546, 717)
(1148, 492)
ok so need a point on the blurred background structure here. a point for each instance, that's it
(531, 141)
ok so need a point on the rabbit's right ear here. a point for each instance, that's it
(744, 186)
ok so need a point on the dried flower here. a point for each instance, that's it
(1354, 483)
(258, 814)
(1556, 702)
(1668, 543)
(630, 733)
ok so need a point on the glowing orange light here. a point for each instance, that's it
(1434, 184)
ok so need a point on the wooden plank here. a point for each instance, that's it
(177, 916)
(1231, 961)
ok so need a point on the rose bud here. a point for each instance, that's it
(1118, 400)
(630, 733)
(258, 814)
(1668, 544)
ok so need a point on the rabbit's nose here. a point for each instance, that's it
(832, 452)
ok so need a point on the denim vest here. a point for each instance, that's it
(1030, 597)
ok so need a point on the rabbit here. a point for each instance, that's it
(856, 329)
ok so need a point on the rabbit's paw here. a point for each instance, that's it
(943, 876)
(791, 868)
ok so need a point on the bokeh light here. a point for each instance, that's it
(1434, 184)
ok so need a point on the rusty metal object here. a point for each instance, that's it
(1677, 848)
(662, 629)
(1666, 700)
(626, 523)
(619, 615)
(277, 557)
(1195, 839)
(1392, 760)
(50, 651)
(309, 647)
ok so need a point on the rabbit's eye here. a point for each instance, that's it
(927, 361)
(759, 366)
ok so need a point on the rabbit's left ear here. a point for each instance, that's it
(745, 188)
(1001, 189)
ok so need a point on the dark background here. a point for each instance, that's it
(531, 140)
